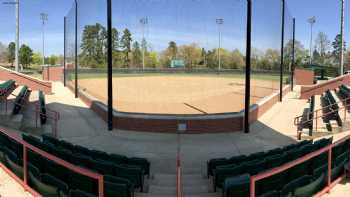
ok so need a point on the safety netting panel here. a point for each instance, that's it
(266, 49)
(92, 49)
(70, 46)
(7, 35)
(288, 46)
(179, 57)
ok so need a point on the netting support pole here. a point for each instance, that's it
(76, 49)
(64, 51)
(293, 57)
(282, 51)
(247, 66)
(109, 59)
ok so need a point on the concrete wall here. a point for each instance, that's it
(21, 79)
(213, 123)
(318, 89)
(304, 77)
(53, 73)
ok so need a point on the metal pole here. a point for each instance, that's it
(248, 64)
(76, 49)
(342, 38)
(282, 51)
(312, 21)
(64, 51)
(17, 37)
(219, 22)
(143, 21)
(110, 64)
(293, 57)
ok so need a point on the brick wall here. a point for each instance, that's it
(53, 73)
(304, 77)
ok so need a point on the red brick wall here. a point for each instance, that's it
(53, 73)
(318, 89)
(304, 77)
(21, 79)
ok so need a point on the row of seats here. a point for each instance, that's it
(21, 99)
(7, 87)
(307, 117)
(231, 174)
(330, 110)
(344, 94)
(121, 174)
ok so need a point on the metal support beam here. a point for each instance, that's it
(247, 66)
(64, 51)
(293, 57)
(342, 39)
(76, 49)
(110, 64)
(282, 50)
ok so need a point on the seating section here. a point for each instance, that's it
(308, 115)
(330, 110)
(232, 175)
(6, 88)
(344, 94)
(42, 108)
(122, 175)
(21, 100)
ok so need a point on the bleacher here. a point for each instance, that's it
(21, 100)
(307, 117)
(232, 175)
(122, 175)
(330, 110)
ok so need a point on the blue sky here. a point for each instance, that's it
(184, 21)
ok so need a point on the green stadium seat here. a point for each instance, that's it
(275, 160)
(83, 183)
(237, 186)
(44, 189)
(288, 189)
(135, 175)
(211, 164)
(255, 156)
(220, 174)
(311, 188)
(142, 163)
(81, 150)
(270, 194)
(273, 152)
(103, 167)
(14, 167)
(118, 159)
(115, 190)
(256, 166)
(96, 154)
(50, 180)
(50, 139)
(79, 193)
(81, 160)
(118, 180)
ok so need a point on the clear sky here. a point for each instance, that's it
(183, 21)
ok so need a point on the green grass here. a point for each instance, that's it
(260, 76)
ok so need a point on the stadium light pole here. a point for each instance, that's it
(293, 56)
(16, 3)
(64, 50)
(312, 21)
(247, 67)
(76, 50)
(219, 22)
(143, 22)
(43, 17)
(342, 38)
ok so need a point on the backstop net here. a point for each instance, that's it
(179, 57)
(266, 49)
(70, 26)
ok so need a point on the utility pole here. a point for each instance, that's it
(312, 21)
(342, 38)
(143, 22)
(219, 22)
(16, 3)
(43, 17)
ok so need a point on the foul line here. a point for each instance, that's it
(195, 108)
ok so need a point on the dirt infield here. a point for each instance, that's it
(178, 94)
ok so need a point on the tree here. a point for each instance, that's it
(25, 55)
(172, 48)
(11, 53)
(37, 59)
(237, 59)
(322, 45)
(337, 47)
(3, 53)
(191, 54)
(136, 54)
(126, 46)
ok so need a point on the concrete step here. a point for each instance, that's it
(217, 194)
(165, 190)
(153, 195)
(15, 122)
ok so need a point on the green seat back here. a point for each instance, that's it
(270, 194)
(79, 193)
(15, 168)
(114, 190)
(311, 188)
(44, 189)
(237, 186)
(291, 186)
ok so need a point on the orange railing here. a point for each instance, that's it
(178, 177)
(50, 114)
(330, 184)
(27, 146)
(316, 116)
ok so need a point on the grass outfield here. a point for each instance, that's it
(259, 76)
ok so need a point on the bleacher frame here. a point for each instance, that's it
(274, 171)
(27, 146)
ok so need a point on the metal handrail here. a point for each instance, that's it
(178, 177)
(27, 146)
(50, 114)
(271, 172)
(315, 112)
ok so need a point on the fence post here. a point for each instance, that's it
(100, 186)
(329, 166)
(25, 166)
